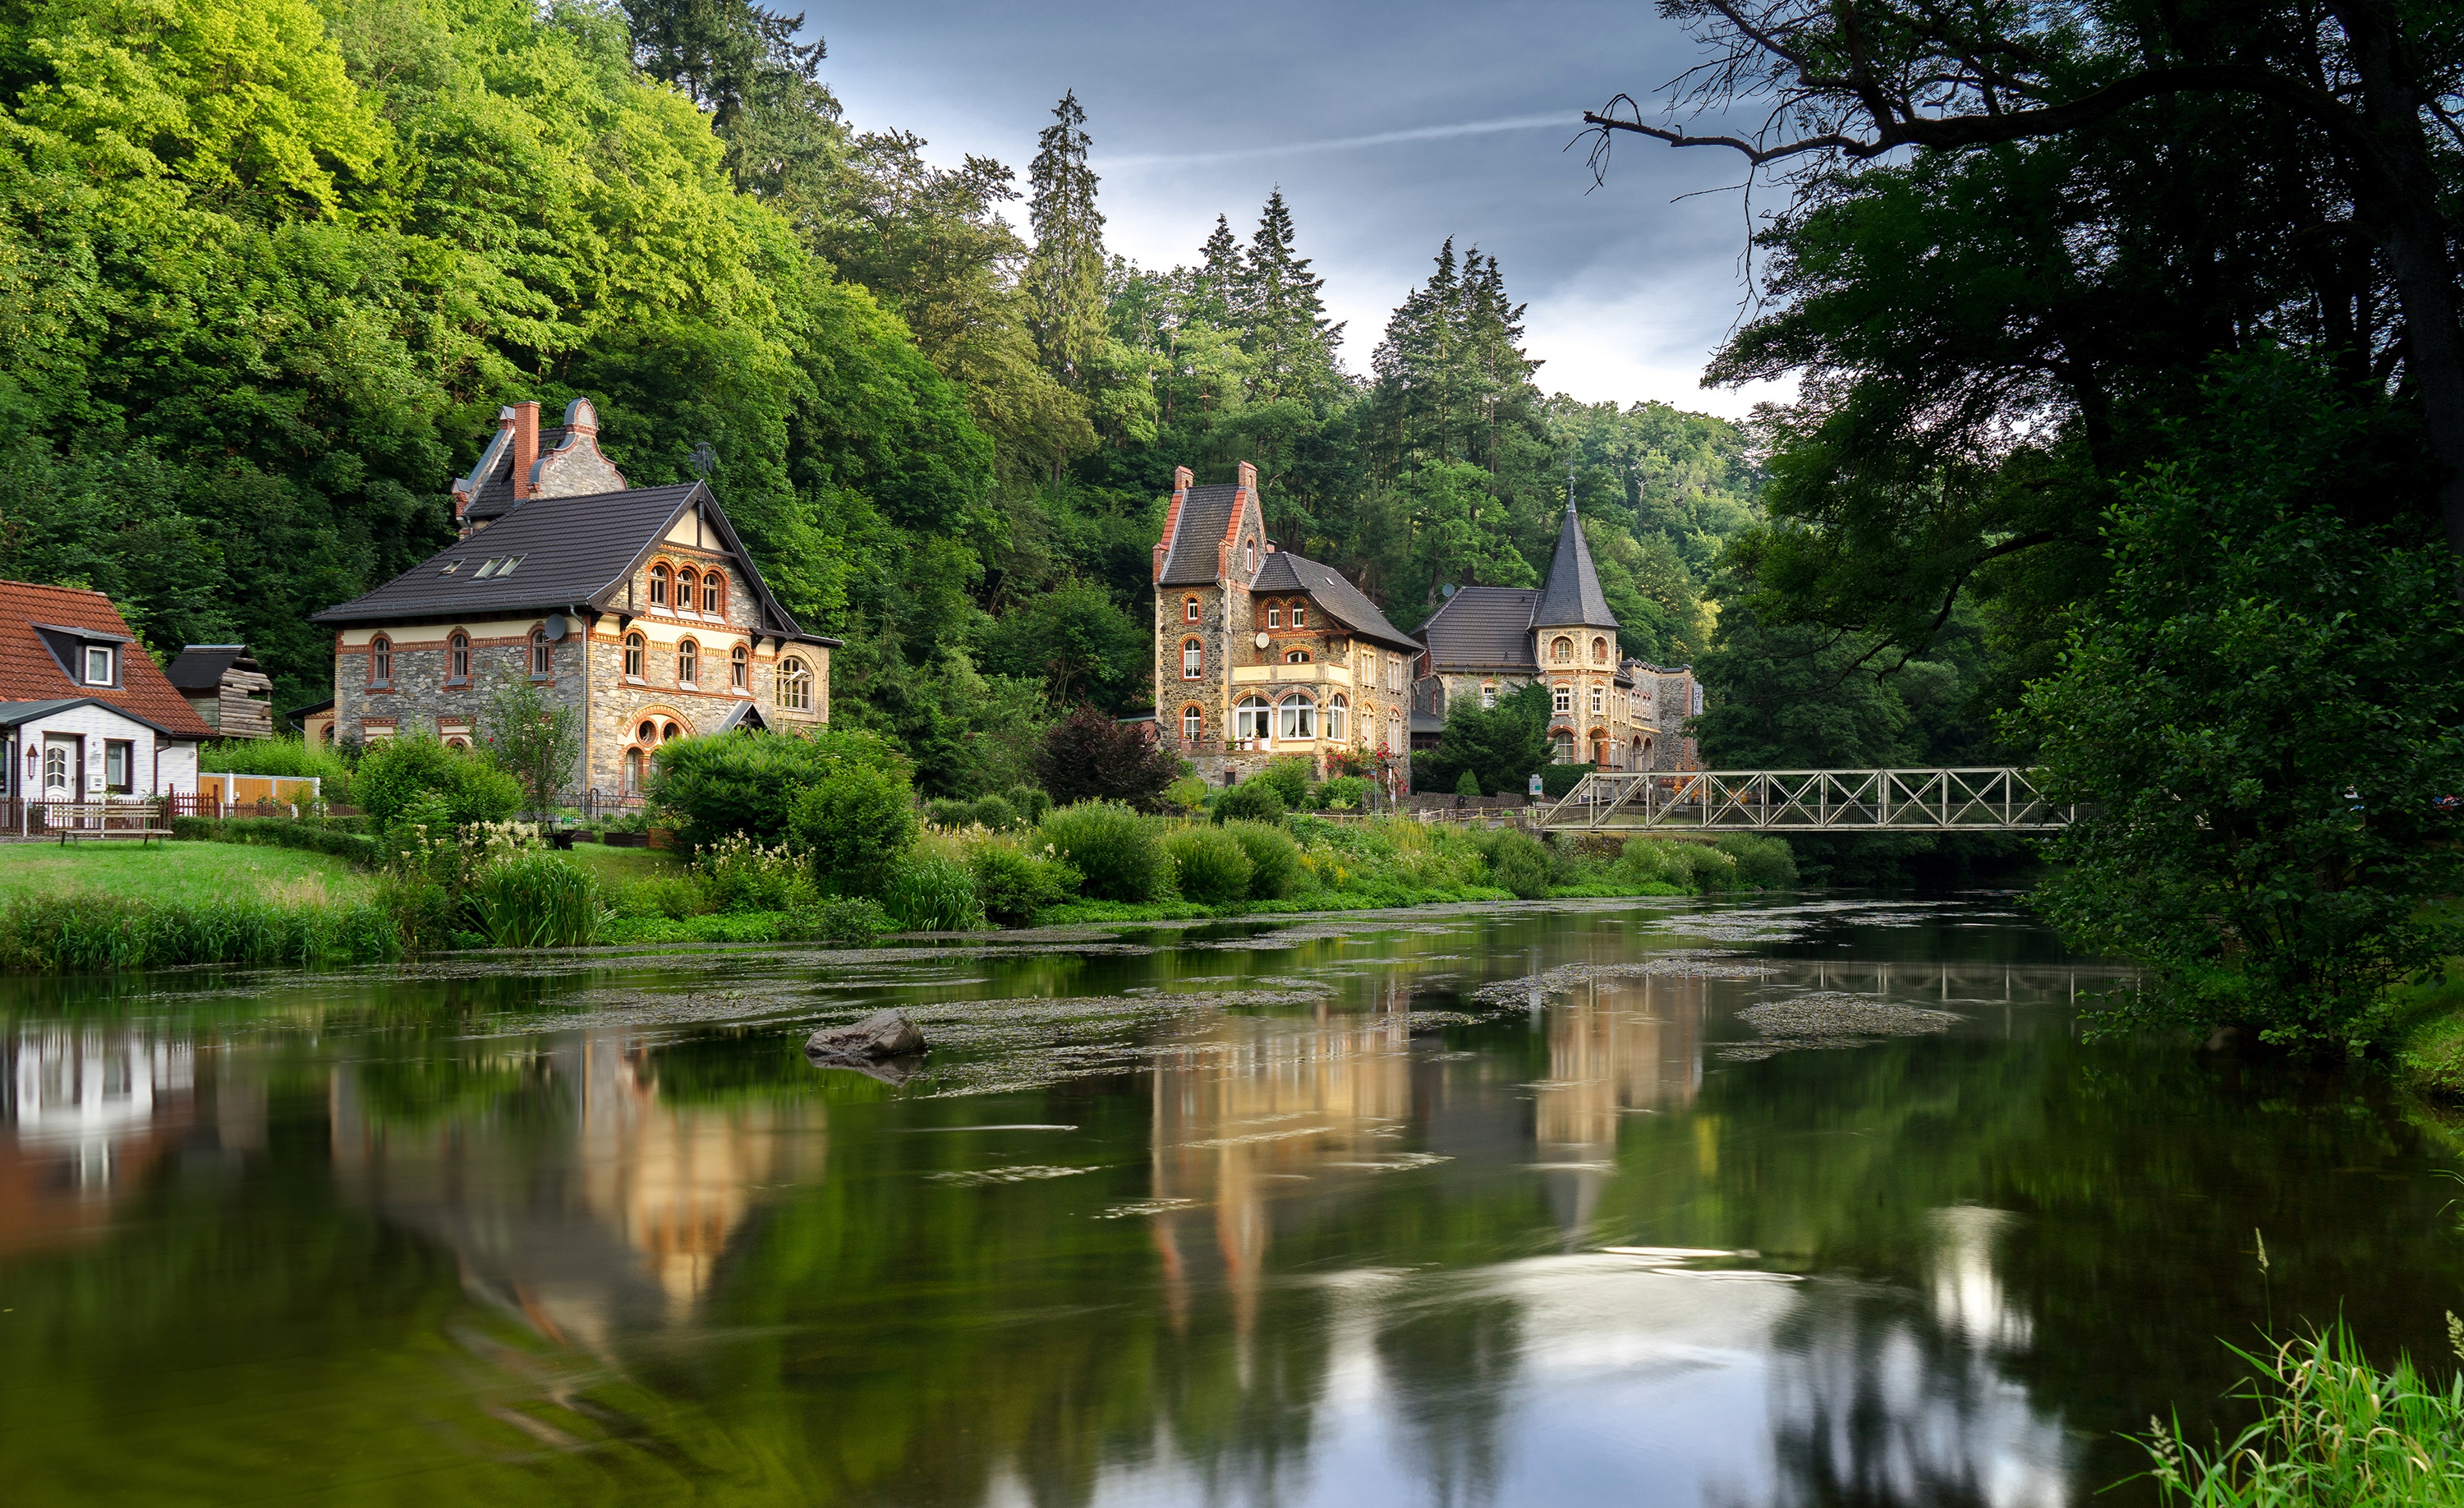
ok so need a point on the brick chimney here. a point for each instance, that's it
(525, 447)
(1181, 477)
(1248, 478)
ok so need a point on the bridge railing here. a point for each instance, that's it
(1987, 800)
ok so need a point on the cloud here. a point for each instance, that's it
(1341, 143)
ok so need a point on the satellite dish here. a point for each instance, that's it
(1447, 590)
(556, 628)
(1262, 640)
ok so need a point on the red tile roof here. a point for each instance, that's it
(28, 673)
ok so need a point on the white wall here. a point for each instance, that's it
(97, 724)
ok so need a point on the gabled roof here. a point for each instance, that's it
(570, 552)
(30, 672)
(1285, 572)
(1205, 514)
(1483, 628)
(1571, 596)
(200, 668)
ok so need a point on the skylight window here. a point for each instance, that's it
(511, 561)
(487, 570)
(452, 566)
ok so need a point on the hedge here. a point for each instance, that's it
(324, 836)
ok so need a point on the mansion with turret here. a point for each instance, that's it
(1261, 652)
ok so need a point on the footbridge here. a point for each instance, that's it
(1980, 800)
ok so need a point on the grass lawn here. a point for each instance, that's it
(614, 867)
(176, 871)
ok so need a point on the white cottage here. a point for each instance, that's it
(85, 714)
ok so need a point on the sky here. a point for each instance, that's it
(1388, 127)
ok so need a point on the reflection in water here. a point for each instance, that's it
(1390, 1249)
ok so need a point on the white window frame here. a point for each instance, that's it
(1299, 616)
(1253, 718)
(1193, 660)
(1337, 714)
(1296, 718)
(1193, 724)
(1561, 699)
(91, 652)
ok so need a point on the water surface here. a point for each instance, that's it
(1615, 1203)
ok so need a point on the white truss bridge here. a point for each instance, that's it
(1981, 801)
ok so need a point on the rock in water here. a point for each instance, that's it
(884, 1033)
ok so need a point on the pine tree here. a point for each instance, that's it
(1216, 282)
(1064, 276)
(1278, 304)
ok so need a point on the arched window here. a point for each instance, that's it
(1189, 610)
(1560, 649)
(670, 731)
(713, 592)
(687, 663)
(1249, 557)
(381, 660)
(739, 668)
(1300, 616)
(1562, 745)
(1275, 616)
(632, 771)
(543, 655)
(636, 651)
(1252, 718)
(795, 686)
(1487, 698)
(1193, 659)
(1395, 733)
(658, 586)
(1599, 651)
(1296, 657)
(688, 585)
(1296, 717)
(457, 658)
(1562, 699)
(1193, 723)
(1338, 713)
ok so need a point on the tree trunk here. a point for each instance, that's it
(2398, 197)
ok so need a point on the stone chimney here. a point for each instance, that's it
(526, 446)
(1248, 478)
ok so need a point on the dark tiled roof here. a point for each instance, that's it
(1483, 628)
(573, 550)
(30, 672)
(493, 495)
(1205, 512)
(1286, 572)
(1571, 594)
(200, 668)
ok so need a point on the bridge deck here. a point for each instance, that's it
(1981, 801)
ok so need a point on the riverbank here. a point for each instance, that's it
(2429, 1046)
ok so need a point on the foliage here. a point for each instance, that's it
(720, 786)
(1557, 779)
(1212, 867)
(852, 825)
(672, 896)
(996, 813)
(395, 773)
(533, 738)
(1116, 854)
(1250, 801)
(285, 754)
(1188, 793)
(736, 874)
(91, 931)
(1516, 863)
(929, 891)
(2332, 1429)
(1763, 863)
(281, 832)
(1089, 756)
(1468, 784)
(1031, 802)
(1500, 747)
(1013, 883)
(1288, 776)
(1342, 793)
(535, 899)
(1078, 645)
(2265, 717)
(844, 919)
(1274, 859)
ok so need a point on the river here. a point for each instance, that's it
(1821, 1201)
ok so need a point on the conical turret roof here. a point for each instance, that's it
(1572, 596)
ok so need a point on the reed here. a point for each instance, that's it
(535, 899)
(90, 931)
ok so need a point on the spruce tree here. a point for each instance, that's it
(1282, 313)
(1064, 276)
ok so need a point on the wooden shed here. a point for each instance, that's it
(227, 688)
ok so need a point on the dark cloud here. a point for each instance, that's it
(1389, 128)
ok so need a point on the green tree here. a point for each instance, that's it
(1499, 747)
(1065, 275)
(535, 740)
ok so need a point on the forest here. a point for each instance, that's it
(269, 267)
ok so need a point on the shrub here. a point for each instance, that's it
(396, 773)
(315, 835)
(1115, 854)
(1345, 792)
(1274, 858)
(1288, 777)
(1211, 865)
(534, 738)
(852, 825)
(1013, 884)
(931, 892)
(1089, 756)
(1033, 804)
(1188, 793)
(750, 782)
(1517, 864)
(1652, 860)
(739, 875)
(1712, 869)
(287, 754)
(996, 813)
(674, 896)
(1556, 779)
(838, 919)
(1763, 863)
(1468, 784)
(1250, 801)
(948, 813)
(536, 899)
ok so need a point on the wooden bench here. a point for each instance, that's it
(95, 819)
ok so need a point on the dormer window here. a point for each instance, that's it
(98, 665)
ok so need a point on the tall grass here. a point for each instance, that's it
(2332, 1431)
(88, 931)
(933, 892)
(535, 899)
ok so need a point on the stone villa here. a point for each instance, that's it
(1261, 652)
(637, 606)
